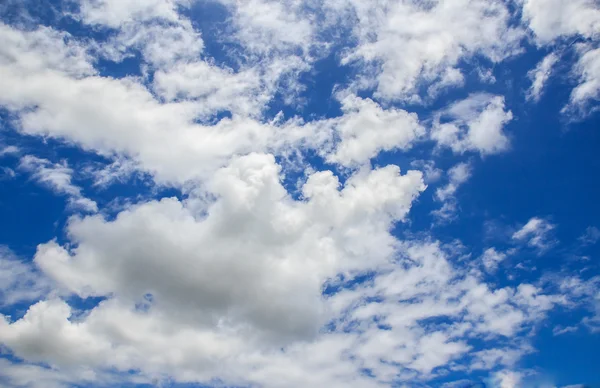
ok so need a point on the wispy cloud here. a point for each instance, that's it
(58, 178)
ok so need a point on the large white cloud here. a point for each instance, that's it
(422, 285)
(256, 258)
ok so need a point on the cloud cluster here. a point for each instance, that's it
(554, 21)
(416, 45)
(237, 279)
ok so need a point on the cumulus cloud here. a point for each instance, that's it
(118, 335)
(265, 247)
(58, 178)
(473, 124)
(365, 129)
(235, 280)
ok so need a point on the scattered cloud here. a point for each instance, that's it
(560, 330)
(431, 174)
(536, 233)
(587, 71)
(235, 279)
(435, 36)
(491, 258)
(9, 150)
(591, 236)
(473, 124)
(365, 129)
(57, 177)
(540, 75)
(457, 176)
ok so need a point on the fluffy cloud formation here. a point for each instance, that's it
(415, 44)
(551, 19)
(377, 332)
(264, 247)
(283, 254)
(365, 129)
(473, 124)
(19, 281)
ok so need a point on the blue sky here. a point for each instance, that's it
(291, 193)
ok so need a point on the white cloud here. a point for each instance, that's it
(583, 293)
(365, 129)
(591, 236)
(17, 374)
(587, 70)
(414, 44)
(475, 124)
(491, 258)
(540, 75)
(162, 47)
(243, 278)
(457, 176)
(560, 330)
(19, 281)
(42, 50)
(7, 173)
(264, 247)
(423, 285)
(504, 357)
(263, 26)
(536, 233)
(552, 19)
(227, 283)
(9, 150)
(58, 178)
(115, 13)
(508, 379)
(431, 174)
(123, 118)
